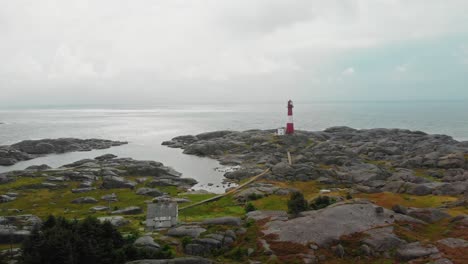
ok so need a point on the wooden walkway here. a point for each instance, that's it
(230, 192)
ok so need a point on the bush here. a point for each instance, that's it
(322, 202)
(297, 203)
(254, 196)
(238, 254)
(186, 240)
(249, 207)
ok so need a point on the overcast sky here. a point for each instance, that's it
(79, 52)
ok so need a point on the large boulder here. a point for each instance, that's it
(173, 181)
(186, 231)
(454, 160)
(110, 197)
(114, 182)
(84, 200)
(105, 157)
(7, 161)
(242, 174)
(453, 242)
(339, 219)
(203, 246)
(415, 250)
(149, 192)
(382, 239)
(41, 167)
(147, 242)
(429, 215)
(282, 168)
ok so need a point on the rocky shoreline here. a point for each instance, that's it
(368, 160)
(390, 188)
(107, 169)
(30, 149)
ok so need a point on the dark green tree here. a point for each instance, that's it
(297, 203)
(88, 241)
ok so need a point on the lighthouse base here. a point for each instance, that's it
(289, 128)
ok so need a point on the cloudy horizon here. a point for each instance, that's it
(101, 52)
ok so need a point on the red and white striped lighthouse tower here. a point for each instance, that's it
(290, 124)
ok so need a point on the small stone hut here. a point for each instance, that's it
(161, 215)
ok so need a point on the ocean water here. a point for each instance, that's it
(145, 127)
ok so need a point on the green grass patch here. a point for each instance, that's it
(272, 202)
(19, 183)
(225, 206)
(43, 202)
(195, 198)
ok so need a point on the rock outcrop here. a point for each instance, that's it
(340, 219)
(29, 149)
(371, 160)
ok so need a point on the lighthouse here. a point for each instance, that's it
(290, 124)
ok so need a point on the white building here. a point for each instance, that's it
(161, 215)
(280, 131)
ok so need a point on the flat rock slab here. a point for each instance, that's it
(149, 192)
(273, 215)
(99, 208)
(128, 210)
(84, 200)
(453, 242)
(228, 220)
(182, 231)
(327, 225)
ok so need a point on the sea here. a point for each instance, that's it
(145, 127)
